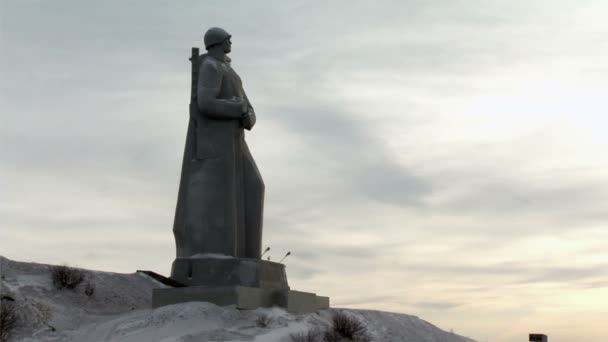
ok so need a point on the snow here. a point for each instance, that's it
(119, 310)
(211, 256)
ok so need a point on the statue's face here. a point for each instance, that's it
(227, 45)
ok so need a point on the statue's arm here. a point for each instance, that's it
(249, 119)
(208, 89)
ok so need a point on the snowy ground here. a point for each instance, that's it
(119, 310)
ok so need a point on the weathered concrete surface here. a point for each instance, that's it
(243, 297)
(227, 271)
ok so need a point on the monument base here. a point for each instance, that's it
(222, 271)
(242, 296)
(225, 280)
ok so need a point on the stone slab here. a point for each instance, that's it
(243, 297)
(298, 301)
(322, 302)
(161, 278)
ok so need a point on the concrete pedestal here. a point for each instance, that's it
(241, 296)
(229, 271)
(246, 283)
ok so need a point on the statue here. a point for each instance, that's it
(218, 219)
(221, 193)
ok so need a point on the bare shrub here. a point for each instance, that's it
(89, 289)
(346, 327)
(312, 335)
(263, 321)
(66, 277)
(332, 336)
(9, 320)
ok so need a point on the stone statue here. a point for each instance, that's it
(218, 220)
(221, 193)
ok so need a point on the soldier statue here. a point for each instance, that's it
(221, 194)
(218, 219)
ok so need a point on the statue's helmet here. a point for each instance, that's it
(214, 36)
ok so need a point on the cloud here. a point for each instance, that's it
(354, 154)
(367, 300)
(570, 275)
(437, 305)
(560, 205)
(508, 273)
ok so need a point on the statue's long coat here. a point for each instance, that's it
(221, 193)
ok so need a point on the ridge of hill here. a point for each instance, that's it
(120, 310)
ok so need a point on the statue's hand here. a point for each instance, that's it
(248, 120)
(242, 103)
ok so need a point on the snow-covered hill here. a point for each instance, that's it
(119, 310)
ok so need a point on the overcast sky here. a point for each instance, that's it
(445, 159)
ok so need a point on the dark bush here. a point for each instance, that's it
(332, 336)
(346, 327)
(89, 289)
(263, 321)
(66, 277)
(312, 335)
(9, 319)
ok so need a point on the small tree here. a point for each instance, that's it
(263, 321)
(9, 320)
(312, 335)
(66, 277)
(346, 327)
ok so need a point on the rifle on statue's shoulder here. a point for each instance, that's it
(196, 59)
(195, 66)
